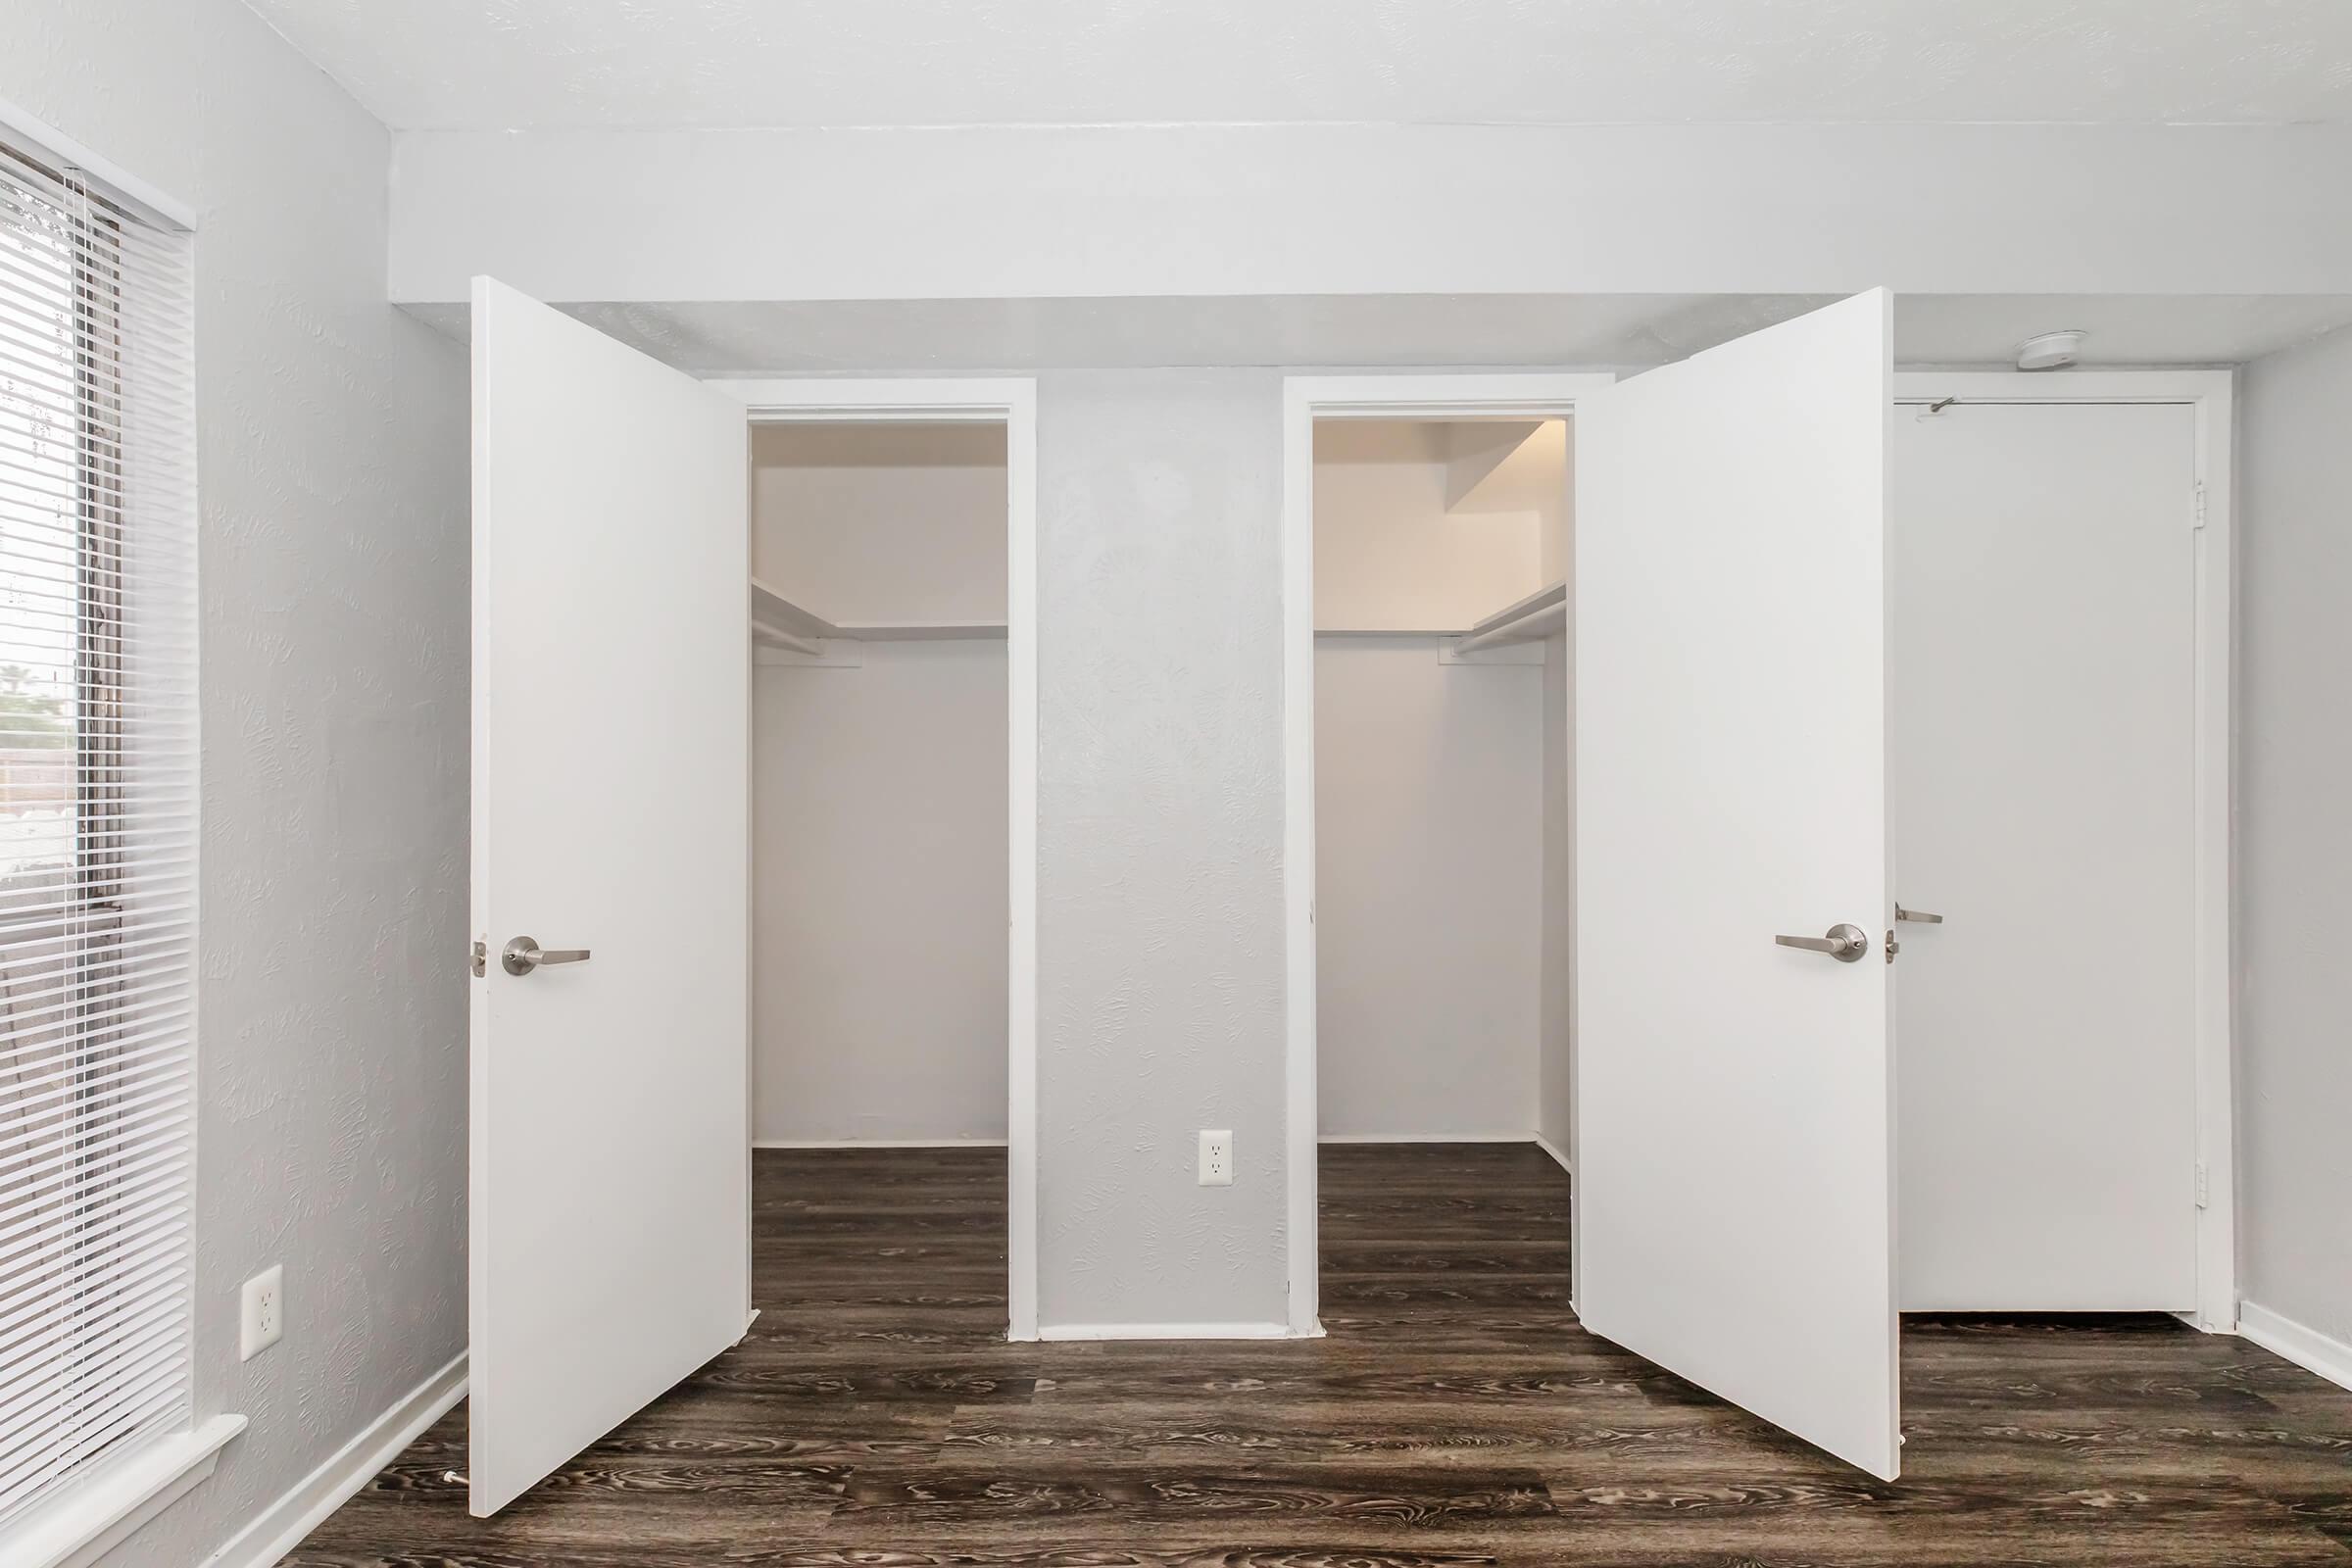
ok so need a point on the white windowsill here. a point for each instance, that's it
(90, 1518)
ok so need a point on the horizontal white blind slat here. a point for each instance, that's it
(78, 1099)
(133, 1391)
(133, 1410)
(98, 755)
(112, 1328)
(43, 1301)
(144, 1020)
(50, 999)
(143, 1362)
(150, 1291)
(123, 1205)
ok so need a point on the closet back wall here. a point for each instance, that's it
(879, 792)
(882, 522)
(1428, 861)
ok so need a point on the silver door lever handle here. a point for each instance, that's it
(1921, 915)
(523, 955)
(1844, 943)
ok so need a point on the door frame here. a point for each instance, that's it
(1439, 395)
(1012, 402)
(1399, 395)
(2209, 394)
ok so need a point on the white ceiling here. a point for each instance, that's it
(820, 337)
(485, 65)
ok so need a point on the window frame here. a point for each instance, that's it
(77, 1515)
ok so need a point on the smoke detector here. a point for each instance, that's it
(2050, 350)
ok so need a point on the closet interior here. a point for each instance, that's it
(1441, 788)
(879, 780)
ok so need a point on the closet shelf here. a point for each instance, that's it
(778, 622)
(923, 631)
(1538, 615)
(777, 619)
(1387, 631)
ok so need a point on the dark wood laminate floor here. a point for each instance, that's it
(1456, 1414)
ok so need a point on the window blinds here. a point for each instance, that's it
(97, 828)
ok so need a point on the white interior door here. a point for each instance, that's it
(2045, 649)
(1734, 1096)
(611, 1177)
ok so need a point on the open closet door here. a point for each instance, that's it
(610, 1176)
(1735, 1177)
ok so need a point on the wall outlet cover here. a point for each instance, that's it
(261, 1312)
(1216, 1156)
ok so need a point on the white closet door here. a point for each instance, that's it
(610, 1174)
(2044, 593)
(1734, 1098)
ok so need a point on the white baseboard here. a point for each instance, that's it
(1560, 1155)
(301, 1511)
(877, 1143)
(1424, 1138)
(2307, 1347)
(1164, 1330)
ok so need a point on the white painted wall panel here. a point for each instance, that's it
(332, 441)
(2295, 844)
(878, 956)
(1054, 211)
(1429, 890)
(1160, 804)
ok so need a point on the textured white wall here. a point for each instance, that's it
(331, 443)
(1160, 805)
(1052, 211)
(878, 958)
(1429, 915)
(880, 522)
(2294, 726)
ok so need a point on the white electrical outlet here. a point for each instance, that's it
(262, 1317)
(1217, 1157)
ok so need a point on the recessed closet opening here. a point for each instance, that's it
(881, 861)
(2054, 684)
(1442, 869)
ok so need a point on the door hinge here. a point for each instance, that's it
(2200, 503)
(2203, 1191)
(481, 959)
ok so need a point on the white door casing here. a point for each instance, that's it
(609, 1160)
(1735, 1097)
